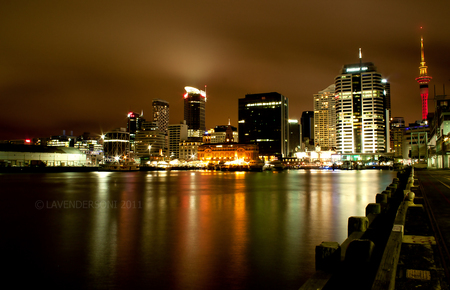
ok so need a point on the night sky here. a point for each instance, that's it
(82, 65)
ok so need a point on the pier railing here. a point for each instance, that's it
(368, 258)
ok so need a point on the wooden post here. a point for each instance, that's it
(374, 208)
(328, 256)
(357, 224)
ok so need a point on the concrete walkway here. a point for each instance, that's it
(424, 257)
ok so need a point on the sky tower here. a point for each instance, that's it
(423, 81)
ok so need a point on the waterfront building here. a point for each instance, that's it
(325, 118)
(189, 149)
(439, 141)
(307, 132)
(228, 151)
(12, 155)
(397, 132)
(263, 120)
(423, 81)
(294, 136)
(362, 125)
(92, 148)
(177, 133)
(194, 111)
(61, 140)
(161, 118)
(134, 125)
(116, 144)
(415, 142)
(150, 145)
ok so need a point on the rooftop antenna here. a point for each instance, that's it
(360, 57)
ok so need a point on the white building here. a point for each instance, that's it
(29, 155)
(177, 133)
(362, 125)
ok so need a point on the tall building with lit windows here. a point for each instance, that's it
(194, 111)
(263, 120)
(362, 125)
(161, 114)
(325, 118)
(134, 125)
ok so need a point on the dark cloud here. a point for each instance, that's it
(80, 66)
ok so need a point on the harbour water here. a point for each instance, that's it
(176, 229)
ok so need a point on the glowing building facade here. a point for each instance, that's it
(423, 81)
(362, 125)
(325, 118)
(161, 114)
(194, 111)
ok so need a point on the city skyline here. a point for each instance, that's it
(83, 67)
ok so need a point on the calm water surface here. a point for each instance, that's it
(176, 230)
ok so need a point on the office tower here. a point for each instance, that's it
(423, 81)
(397, 131)
(161, 118)
(161, 114)
(194, 111)
(325, 118)
(307, 122)
(263, 119)
(294, 136)
(361, 125)
(134, 125)
(177, 133)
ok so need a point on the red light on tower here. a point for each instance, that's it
(423, 81)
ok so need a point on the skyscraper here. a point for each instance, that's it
(423, 81)
(161, 114)
(294, 136)
(307, 132)
(194, 111)
(362, 124)
(263, 119)
(325, 118)
(134, 125)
